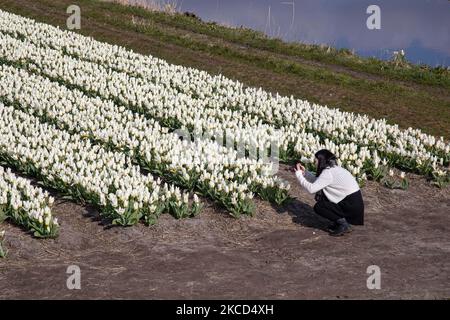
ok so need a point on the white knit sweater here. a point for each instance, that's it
(336, 183)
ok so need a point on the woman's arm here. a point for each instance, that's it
(310, 177)
(321, 182)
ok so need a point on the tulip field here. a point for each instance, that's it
(101, 124)
(26, 205)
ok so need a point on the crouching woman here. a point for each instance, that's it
(338, 196)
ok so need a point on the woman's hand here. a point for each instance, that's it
(299, 167)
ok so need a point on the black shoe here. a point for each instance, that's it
(332, 227)
(342, 228)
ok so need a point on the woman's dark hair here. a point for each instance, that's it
(325, 159)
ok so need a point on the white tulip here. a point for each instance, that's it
(171, 94)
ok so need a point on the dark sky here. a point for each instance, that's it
(420, 27)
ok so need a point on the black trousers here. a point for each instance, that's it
(351, 208)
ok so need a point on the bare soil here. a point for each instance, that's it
(280, 253)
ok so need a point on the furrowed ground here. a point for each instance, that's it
(282, 252)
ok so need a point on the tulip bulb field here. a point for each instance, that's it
(93, 129)
(98, 122)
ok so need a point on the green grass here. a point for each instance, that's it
(422, 74)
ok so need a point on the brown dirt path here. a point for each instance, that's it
(279, 253)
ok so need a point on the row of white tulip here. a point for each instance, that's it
(410, 149)
(26, 205)
(203, 165)
(238, 129)
(165, 104)
(87, 172)
(413, 156)
(111, 55)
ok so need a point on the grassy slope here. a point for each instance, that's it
(410, 96)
